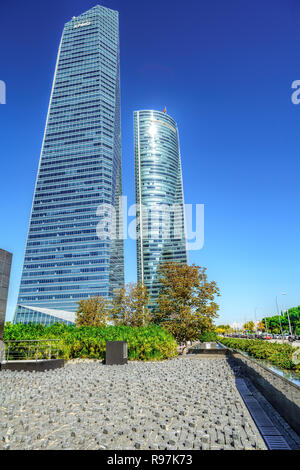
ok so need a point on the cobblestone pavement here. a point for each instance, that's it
(179, 404)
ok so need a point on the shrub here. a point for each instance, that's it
(208, 336)
(144, 343)
(278, 354)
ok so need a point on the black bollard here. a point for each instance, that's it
(116, 353)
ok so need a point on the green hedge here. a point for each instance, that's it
(278, 354)
(208, 336)
(146, 343)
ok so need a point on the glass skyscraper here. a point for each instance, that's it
(159, 196)
(67, 256)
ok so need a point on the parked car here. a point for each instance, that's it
(267, 336)
(259, 337)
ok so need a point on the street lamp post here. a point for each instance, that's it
(266, 325)
(283, 293)
(290, 327)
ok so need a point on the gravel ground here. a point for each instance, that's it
(179, 404)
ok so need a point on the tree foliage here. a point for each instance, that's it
(120, 309)
(260, 326)
(273, 323)
(92, 312)
(249, 326)
(223, 329)
(129, 306)
(139, 299)
(186, 306)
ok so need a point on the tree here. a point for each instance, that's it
(260, 326)
(223, 329)
(273, 323)
(92, 312)
(250, 326)
(120, 310)
(186, 306)
(129, 306)
(138, 301)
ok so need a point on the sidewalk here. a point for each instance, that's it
(295, 344)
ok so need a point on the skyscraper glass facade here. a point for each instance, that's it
(159, 196)
(80, 169)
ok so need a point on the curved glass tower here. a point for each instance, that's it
(159, 196)
(67, 258)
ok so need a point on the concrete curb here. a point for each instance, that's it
(33, 366)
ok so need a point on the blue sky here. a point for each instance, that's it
(224, 70)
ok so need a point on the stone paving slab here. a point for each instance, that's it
(178, 404)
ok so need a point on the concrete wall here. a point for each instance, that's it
(5, 265)
(30, 366)
(280, 392)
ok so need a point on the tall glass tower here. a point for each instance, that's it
(159, 196)
(67, 257)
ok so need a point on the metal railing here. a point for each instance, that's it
(31, 349)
